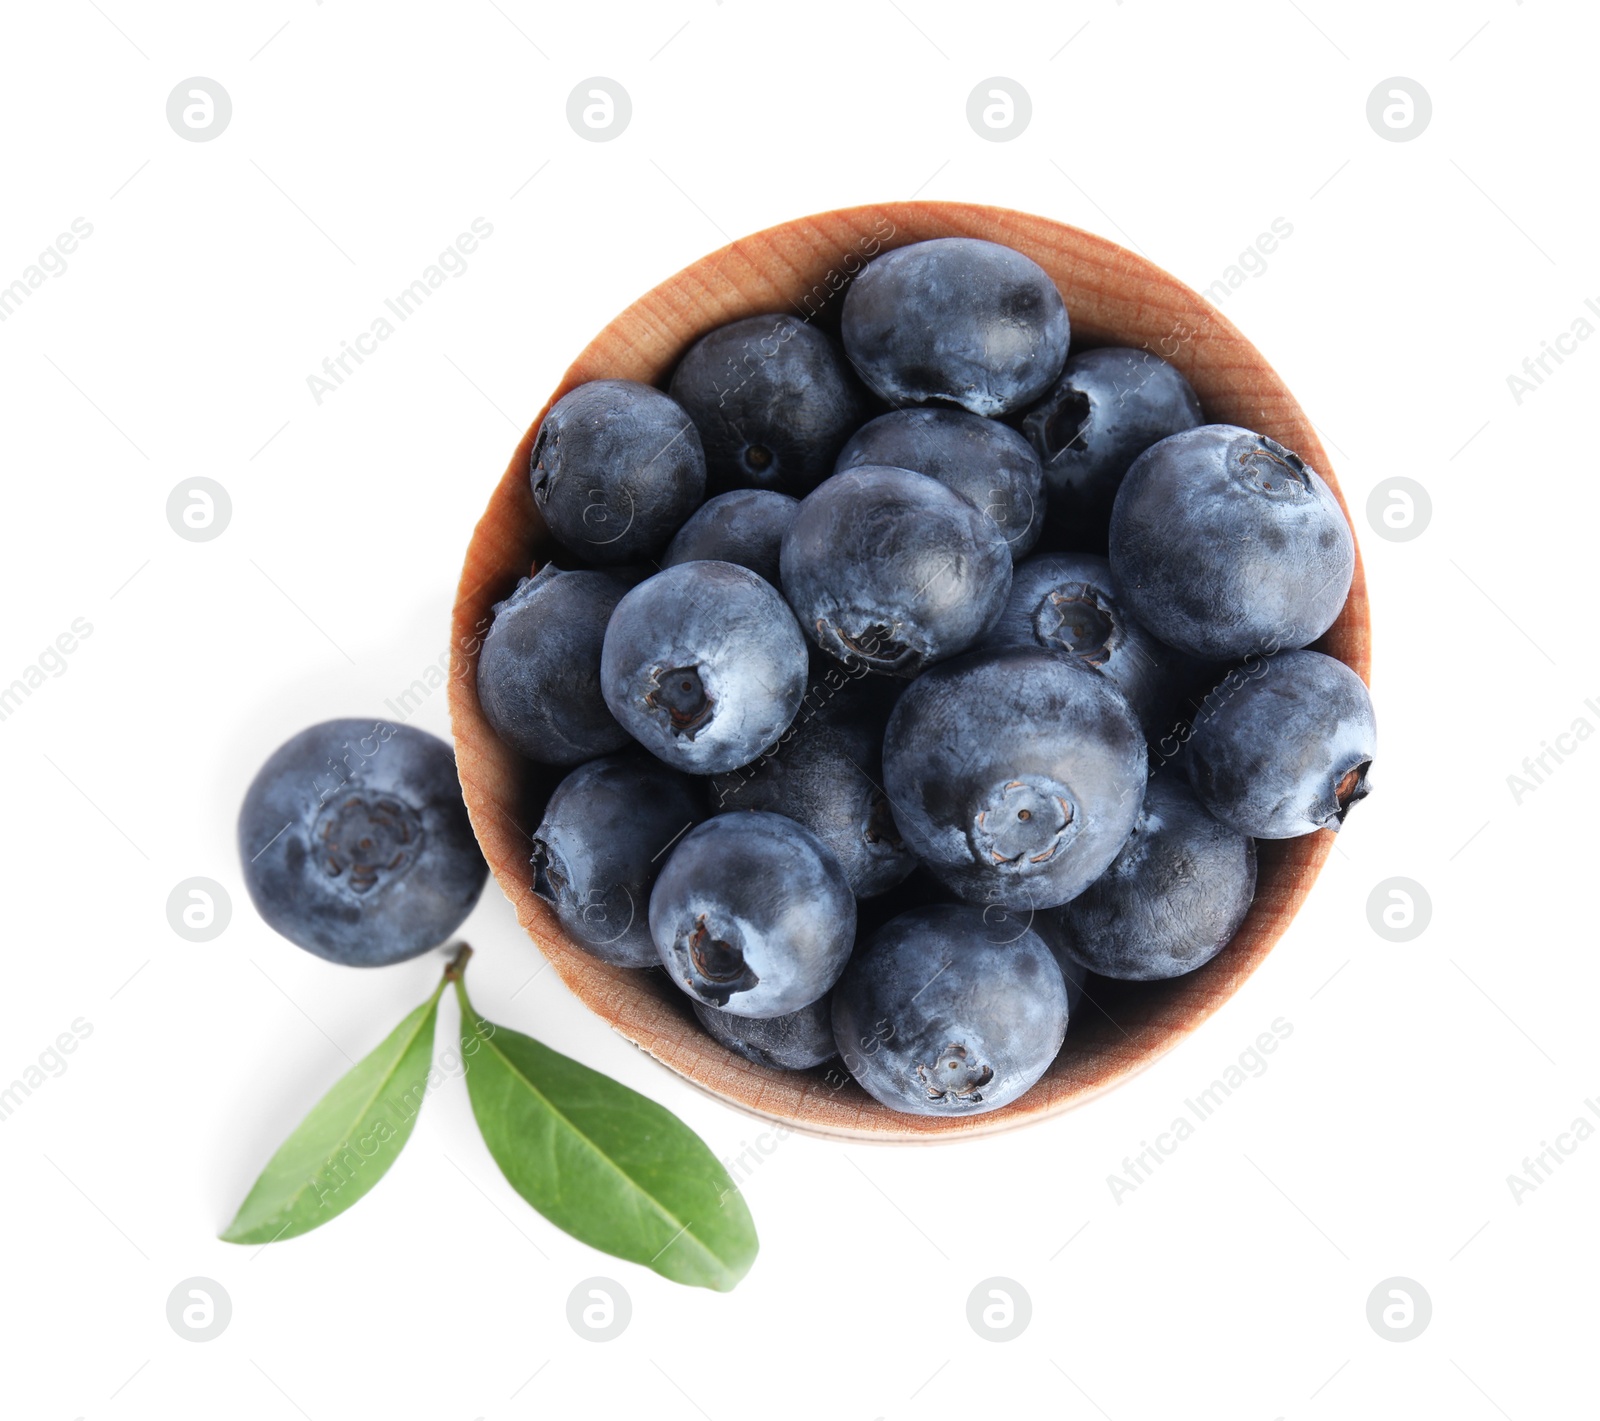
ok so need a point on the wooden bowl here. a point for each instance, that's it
(802, 267)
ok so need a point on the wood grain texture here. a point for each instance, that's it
(800, 268)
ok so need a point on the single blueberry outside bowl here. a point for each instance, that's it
(803, 267)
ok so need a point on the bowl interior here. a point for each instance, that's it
(802, 268)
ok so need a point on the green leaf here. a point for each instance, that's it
(348, 1141)
(615, 1170)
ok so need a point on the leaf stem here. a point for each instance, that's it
(468, 1014)
(457, 965)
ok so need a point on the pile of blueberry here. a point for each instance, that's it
(981, 669)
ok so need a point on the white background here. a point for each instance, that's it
(178, 342)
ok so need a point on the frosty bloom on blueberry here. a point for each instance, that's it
(972, 1021)
(1172, 899)
(539, 667)
(1014, 774)
(745, 526)
(958, 320)
(986, 462)
(773, 399)
(704, 665)
(752, 914)
(890, 568)
(1067, 603)
(827, 776)
(1289, 753)
(796, 1041)
(616, 467)
(1109, 406)
(599, 847)
(1223, 542)
(355, 842)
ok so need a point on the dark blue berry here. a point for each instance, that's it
(753, 915)
(940, 1014)
(1223, 544)
(1066, 603)
(704, 665)
(773, 399)
(959, 321)
(355, 842)
(1015, 774)
(796, 1041)
(1108, 407)
(984, 461)
(893, 569)
(615, 469)
(604, 837)
(745, 526)
(1283, 749)
(826, 772)
(539, 667)
(1173, 897)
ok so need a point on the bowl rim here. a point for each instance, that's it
(751, 276)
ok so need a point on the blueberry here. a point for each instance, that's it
(615, 468)
(1073, 974)
(796, 1041)
(1015, 774)
(984, 461)
(753, 915)
(1172, 899)
(603, 838)
(704, 665)
(825, 772)
(919, 889)
(957, 320)
(1108, 407)
(745, 526)
(539, 667)
(1047, 924)
(1283, 749)
(1224, 544)
(892, 569)
(355, 842)
(773, 399)
(938, 1014)
(1066, 603)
